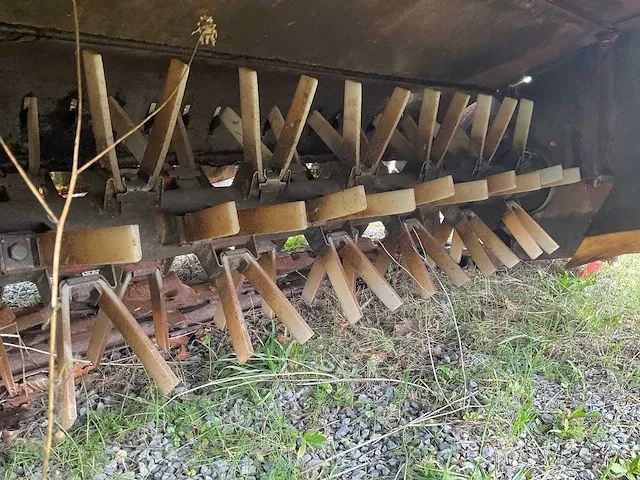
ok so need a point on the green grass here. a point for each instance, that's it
(189, 422)
(295, 244)
(516, 329)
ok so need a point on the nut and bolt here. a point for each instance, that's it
(18, 252)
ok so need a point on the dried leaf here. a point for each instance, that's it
(182, 354)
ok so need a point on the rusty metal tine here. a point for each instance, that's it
(337, 205)
(100, 116)
(434, 190)
(371, 276)
(90, 246)
(341, 283)
(159, 306)
(182, 145)
(426, 123)
(122, 123)
(499, 127)
(449, 126)
(389, 119)
(238, 332)
(278, 218)
(250, 113)
(383, 259)
(521, 234)
(440, 257)
(523, 124)
(267, 261)
(493, 243)
(480, 125)
(165, 122)
(352, 122)
(412, 261)
(443, 232)
(33, 136)
(137, 339)
(277, 300)
(218, 318)
(541, 237)
(475, 248)
(5, 371)
(327, 133)
(7, 318)
(276, 120)
(314, 280)
(64, 362)
(103, 326)
(232, 121)
(294, 123)
(455, 251)
(350, 275)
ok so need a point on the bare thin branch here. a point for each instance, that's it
(28, 181)
(56, 254)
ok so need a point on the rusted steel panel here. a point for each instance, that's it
(457, 39)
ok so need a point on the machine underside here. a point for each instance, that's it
(285, 129)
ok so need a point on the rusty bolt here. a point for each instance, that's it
(18, 252)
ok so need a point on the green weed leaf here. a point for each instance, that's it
(314, 439)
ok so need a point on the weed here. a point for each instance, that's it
(437, 471)
(311, 439)
(570, 424)
(337, 395)
(525, 417)
(296, 243)
(629, 469)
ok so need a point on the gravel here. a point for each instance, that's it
(20, 295)
(371, 435)
(358, 441)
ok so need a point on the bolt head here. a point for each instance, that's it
(18, 252)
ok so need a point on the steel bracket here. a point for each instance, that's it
(317, 240)
(255, 246)
(362, 176)
(210, 258)
(138, 192)
(270, 187)
(429, 171)
(19, 252)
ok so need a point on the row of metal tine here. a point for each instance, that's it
(341, 260)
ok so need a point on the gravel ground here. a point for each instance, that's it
(365, 437)
(373, 424)
(23, 294)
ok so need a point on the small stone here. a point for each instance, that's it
(444, 446)
(362, 398)
(584, 453)
(488, 451)
(143, 470)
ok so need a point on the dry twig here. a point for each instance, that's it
(55, 306)
(28, 181)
